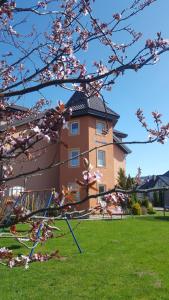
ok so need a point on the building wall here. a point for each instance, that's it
(67, 174)
(64, 175)
(119, 161)
(46, 154)
(95, 140)
(88, 139)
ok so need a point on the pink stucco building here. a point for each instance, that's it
(92, 124)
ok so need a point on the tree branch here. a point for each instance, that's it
(2, 2)
(58, 164)
(79, 80)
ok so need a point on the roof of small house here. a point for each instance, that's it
(155, 181)
(82, 105)
(166, 174)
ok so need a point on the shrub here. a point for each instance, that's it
(129, 203)
(143, 210)
(150, 209)
(133, 199)
(136, 209)
(145, 202)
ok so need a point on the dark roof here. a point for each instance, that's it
(82, 105)
(15, 108)
(166, 174)
(165, 179)
(155, 181)
(120, 134)
(121, 146)
(148, 183)
(24, 121)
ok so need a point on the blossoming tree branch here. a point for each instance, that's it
(43, 45)
(53, 56)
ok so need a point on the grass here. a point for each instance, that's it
(122, 259)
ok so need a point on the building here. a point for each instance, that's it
(92, 124)
(157, 182)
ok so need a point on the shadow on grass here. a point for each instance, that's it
(111, 220)
(22, 230)
(14, 247)
(6, 230)
(154, 218)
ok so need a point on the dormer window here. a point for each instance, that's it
(100, 128)
(74, 128)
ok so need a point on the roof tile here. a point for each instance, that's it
(82, 105)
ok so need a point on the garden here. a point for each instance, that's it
(121, 259)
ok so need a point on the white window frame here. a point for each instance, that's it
(104, 160)
(100, 131)
(70, 128)
(71, 162)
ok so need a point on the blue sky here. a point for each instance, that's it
(147, 89)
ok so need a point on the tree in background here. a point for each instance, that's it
(121, 178)
(123, 181)
(127, 183)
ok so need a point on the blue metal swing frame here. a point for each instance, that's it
(40, 227)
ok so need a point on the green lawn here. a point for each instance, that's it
(122, 259)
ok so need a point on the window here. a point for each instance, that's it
(16, 190)
(75, 189)
(101, 158)
(100, 128)
(74, 128)
(74, 162)
(102, 188)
